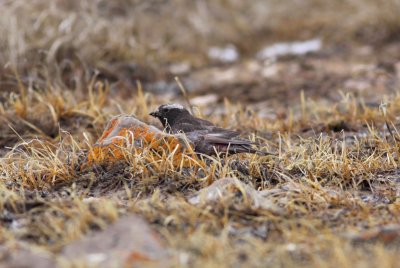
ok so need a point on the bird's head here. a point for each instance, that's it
(169, 113)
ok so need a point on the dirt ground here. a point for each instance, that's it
(328, 195)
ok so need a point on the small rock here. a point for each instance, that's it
(179, 68)
(126, 243)
(126, 135)
(227, 54)
(204, 99)
(293, 48)
(229, 187)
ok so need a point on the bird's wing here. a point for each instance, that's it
(188, 127)
(221, 138)
(230, 145)
(214, 129)
(227, 133)
(198, 124)
(207, 143)
(202, 122)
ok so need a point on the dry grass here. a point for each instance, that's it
(332, 183)
(325, 186)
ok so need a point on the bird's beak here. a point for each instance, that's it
(154, 114)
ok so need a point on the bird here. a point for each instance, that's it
(207, 138)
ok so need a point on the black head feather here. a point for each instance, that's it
(170, 113)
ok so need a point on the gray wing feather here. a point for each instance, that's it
(219, 138)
